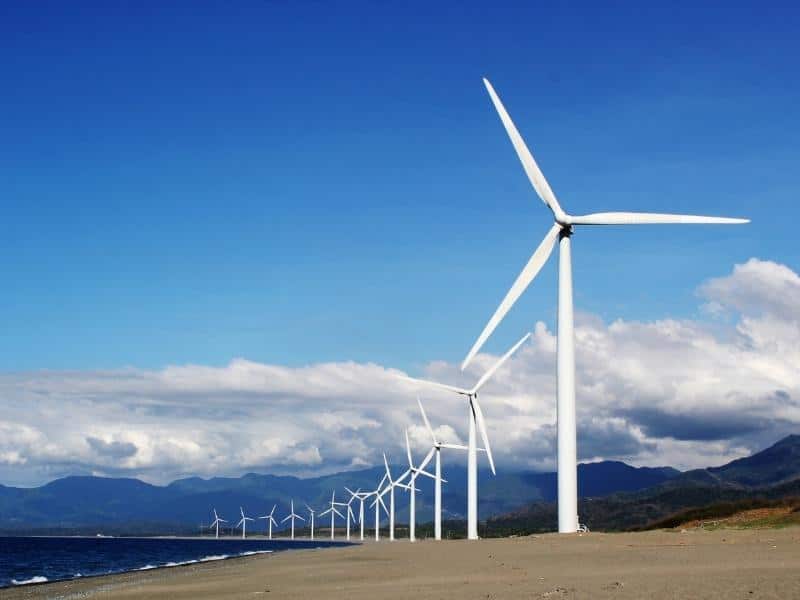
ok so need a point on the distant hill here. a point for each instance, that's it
(770, 474)
(92, 504)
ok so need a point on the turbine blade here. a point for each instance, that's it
(444, 386)
(499, 363)
(286, 519)
(408, 451)
(482, 427)
(421, 472)
(529, 271)
(634, 218)
(386, 464)
(427, 423)
(454, 446)
(427, 459)
(532, 170)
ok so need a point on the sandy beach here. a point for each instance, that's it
(661, 564)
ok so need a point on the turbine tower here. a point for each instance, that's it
(270, 520)
(311, 521)
(216, 523)
(562, 231)
(292, 516)
(243, 522)
(360, 496)
(475, 422)
(334, 511)
(389, 489)
(354, 496)
(437, 494)
(412, 487)
(377, 504)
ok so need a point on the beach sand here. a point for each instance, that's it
(660, 564)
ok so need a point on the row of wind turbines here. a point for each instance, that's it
(405, 480)
(561, 232)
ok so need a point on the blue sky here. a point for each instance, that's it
(303, 182)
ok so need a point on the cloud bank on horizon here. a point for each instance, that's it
(684, 393)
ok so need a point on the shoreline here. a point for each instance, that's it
(661, 564)
(87, 585)
(304, 544)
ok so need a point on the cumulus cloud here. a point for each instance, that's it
(680, 392)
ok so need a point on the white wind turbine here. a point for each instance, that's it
(562, 231)
(348, 515)
(243, 522)
(360, 496)
(476, 421)
(377, 504)
(216, 523)
(437, 495)
(292, 516)
(412, 487)
(334, 511)
(353, 496)
(389, 489)
(311, 521)
(270, 519)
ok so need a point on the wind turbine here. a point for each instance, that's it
(348, 515)
(270, 519)
(562, 231)
(353, 496)
(391, 484)
(311, 517)
(475, 422)
(377, 504)
(243, 522)
(412, 488)
(361, 496)
(216, 523)
(292, 516)
(334, 511)
(437, 495)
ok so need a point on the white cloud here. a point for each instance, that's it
(680, 392)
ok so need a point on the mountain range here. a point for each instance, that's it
(613, 495)
(773, 473)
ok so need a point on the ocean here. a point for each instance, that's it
(25, 560)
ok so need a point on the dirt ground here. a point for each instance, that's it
(659, 564)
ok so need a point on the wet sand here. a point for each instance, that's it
(661, 564)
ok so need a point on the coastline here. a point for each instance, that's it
(659, 564)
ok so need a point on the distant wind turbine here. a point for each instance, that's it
(270, 519)
(292, 516)
(378, 503)
(334, 511)
(412, 487)
(360, 496)
(311, 517)
(475, 422)
(353, 496)
(389, 489)
(437, 494)
(243, 522)
(216, 523)
(562, 231)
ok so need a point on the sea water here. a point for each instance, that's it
(26, 560)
